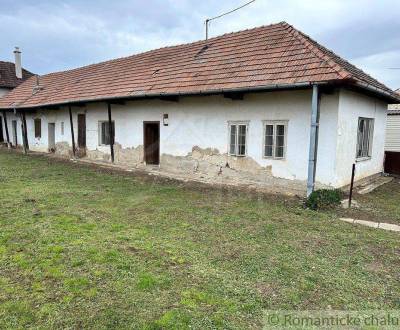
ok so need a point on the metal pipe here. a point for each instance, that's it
(353, 171)
(6, 128)
(110, 132)
(312, 158)
(71, 124)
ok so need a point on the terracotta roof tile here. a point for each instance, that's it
(265, 56)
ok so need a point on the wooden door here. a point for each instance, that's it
(151, 137)
(1, 130)
(52, 136)
(15, 133)
(82, 131)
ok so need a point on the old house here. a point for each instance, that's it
(392, 147)
(11, 75)
(267, 107)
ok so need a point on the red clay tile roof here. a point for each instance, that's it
(262, 57)
(8, 79)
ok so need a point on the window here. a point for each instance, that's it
(104, 136)
(364, 137)
(275, 139)
(62, 128)
(237, 138)
(38, 128)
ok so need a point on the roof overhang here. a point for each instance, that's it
(350, 84)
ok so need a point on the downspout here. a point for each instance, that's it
(312, 158)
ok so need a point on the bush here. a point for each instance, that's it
(324, 199)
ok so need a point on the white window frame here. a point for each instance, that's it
(237, 123)
(371, 123)
(275, 123)
(100, 131)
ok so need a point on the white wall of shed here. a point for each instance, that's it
(353, 105)
(203, 122)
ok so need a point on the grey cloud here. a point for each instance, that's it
(57, 35)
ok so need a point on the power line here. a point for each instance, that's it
(208, 20)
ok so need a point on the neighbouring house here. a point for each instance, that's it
(11, 75)
(267, 107)
(392, 147)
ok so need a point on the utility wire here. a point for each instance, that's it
(208, 20)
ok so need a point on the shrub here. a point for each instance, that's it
(324, 199)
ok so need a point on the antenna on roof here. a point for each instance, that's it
(208, 20)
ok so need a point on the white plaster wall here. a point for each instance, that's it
(353, 105)
(49, 116)
(10, 117)
(203, 122)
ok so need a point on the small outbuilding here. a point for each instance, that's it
(392, 147)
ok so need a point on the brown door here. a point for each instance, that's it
(1, 130)
(15, 133)
(151, 136)
(82, 131)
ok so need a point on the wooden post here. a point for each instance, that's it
(25, 133)
(6, 127)
(353, 171)
(71, 124)
(110, 132)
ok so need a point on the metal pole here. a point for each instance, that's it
(110, 132)
(353, 171)
(312, 159)
(71, 124)
(6, 127)
(207, 21)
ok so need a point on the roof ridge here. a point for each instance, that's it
(166, 47)
(308, 42)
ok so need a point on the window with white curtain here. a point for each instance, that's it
(238, 138)
(364, 137)
(275, 135)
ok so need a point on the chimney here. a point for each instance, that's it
(18, 66)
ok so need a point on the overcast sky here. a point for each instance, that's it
(56, 35)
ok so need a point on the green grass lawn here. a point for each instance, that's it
(82, 248)
(381, 205)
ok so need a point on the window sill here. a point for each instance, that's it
(273, 158)
(363, 159)
(240, 156)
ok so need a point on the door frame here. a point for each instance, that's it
(84, 131)
(14, 126)
(145, 123)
